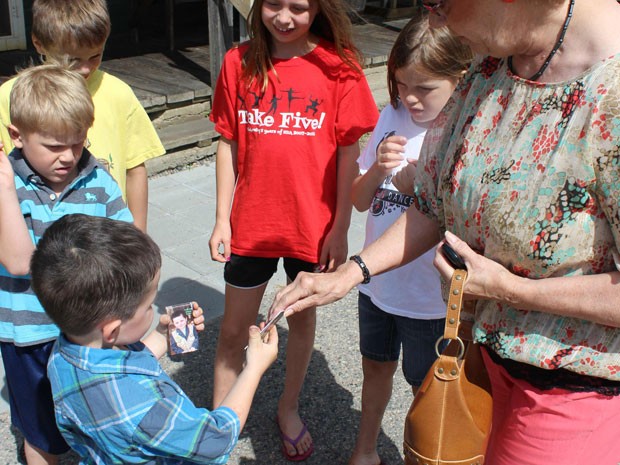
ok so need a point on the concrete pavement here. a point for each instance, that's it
(181, 217)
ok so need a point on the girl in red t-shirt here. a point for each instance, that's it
(290, 105)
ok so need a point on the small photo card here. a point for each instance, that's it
(182, 334)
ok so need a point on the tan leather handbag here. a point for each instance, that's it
(450, 418)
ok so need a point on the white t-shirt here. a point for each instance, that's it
(412, 290)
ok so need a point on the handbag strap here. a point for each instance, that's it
(455, 303)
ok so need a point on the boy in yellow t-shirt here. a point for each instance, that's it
(122, 137)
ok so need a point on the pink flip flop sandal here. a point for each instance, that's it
(294, 442)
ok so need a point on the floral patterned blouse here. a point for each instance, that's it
(528, 174)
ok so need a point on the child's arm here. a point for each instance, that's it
(225, 175)
(259, 356)
(137, 188)
(16, 246)
(157, 340)
(389, 156)
(164, 429)
(335, 246)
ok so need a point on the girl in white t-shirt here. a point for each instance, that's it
(404, 306)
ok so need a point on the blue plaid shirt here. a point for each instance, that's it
(119, 406)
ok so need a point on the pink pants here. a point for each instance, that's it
(552, 427)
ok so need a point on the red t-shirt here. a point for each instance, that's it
(285, 197)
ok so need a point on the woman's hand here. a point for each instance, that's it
(486, 279)
(314, 289)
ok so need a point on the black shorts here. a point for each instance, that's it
(249, 272)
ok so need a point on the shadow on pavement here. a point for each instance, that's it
(329, 401)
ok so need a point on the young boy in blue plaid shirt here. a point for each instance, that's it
(48, 174)
(97, 280)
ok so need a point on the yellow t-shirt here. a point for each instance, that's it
(122, 136)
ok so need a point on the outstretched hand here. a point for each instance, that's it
(314, 289)
(262, 351)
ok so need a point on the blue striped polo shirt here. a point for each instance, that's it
(93, 192)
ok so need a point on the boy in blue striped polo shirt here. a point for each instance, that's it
(49, 174)
(97, 279)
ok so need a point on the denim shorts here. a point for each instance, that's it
(30, 395)
(382, 334)
(250, 272)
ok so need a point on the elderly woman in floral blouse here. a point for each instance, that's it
(525, 184)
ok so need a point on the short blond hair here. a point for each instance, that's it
(51, 99)
(59, 24)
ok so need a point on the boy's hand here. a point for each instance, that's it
(197, 314)
(199, 319)
(164, 321)
(261, 352)
(390, 153)
(403, 180)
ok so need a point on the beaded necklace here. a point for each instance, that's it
(557, 45)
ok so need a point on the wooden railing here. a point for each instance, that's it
(221, 20)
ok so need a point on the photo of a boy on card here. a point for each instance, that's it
(183, 334)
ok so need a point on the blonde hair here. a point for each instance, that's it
(59, 24)
(331, 23)
(51, 99)
(436, 51)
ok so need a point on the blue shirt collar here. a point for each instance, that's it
(86, 166)
(137, 360)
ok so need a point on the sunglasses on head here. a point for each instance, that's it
(433, 7)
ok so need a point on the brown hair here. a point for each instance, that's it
(436, 51)
(88, 269)
(331, 23)
(51, 99)
(58, 24)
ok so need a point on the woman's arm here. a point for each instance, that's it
(226, 176)
(592, 297)
(408, 238)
